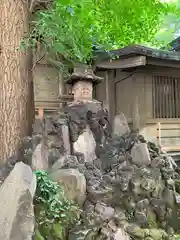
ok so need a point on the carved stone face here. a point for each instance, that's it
(82, 90)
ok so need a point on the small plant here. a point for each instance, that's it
(54, 212)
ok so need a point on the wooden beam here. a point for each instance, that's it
(122, 63)
(163, 63)
(171, 148)
(159, 134)
(41, 113)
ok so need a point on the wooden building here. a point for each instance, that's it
(50, 92)
(144, 84)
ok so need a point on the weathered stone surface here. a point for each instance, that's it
(86, 145)
(129, 184)
(105, 212)
(65, 138)
(66, 161)
(78, 233)
(140, 154)
(74, 184)
(6, 168)
(40, 157)
(121, 235)
(17, 214)
(120, 125)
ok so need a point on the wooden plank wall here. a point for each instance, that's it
(123, 94)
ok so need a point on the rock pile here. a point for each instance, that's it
(126, 199)
(126, 188)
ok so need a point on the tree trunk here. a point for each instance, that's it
(15, 77)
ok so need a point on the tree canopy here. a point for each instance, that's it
(170, 26)
(75, 29)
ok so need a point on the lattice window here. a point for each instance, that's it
(166, 97)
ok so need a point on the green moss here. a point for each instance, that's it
(38, 236)
(177, 237)
(151, 216)
(54, 212)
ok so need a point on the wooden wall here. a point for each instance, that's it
(123, 94)
(133, 96)
(46, 86)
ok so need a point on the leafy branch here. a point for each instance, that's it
(77, 29)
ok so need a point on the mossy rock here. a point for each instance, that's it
(38, 236)
(177, 237)
(152, 221)
(156, 234)
(51, 232)
(58, 232)
(79, 233)
(45, 231)
(136, 232)
(177, 185)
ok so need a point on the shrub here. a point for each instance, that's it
(54, 212)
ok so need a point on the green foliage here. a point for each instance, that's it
(170, 25)
(52, 209)
(75, 29)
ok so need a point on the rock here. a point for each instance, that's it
(136, 232)
(151, 218)
(78, 233)
(177, 185)
(141, 218)
(140, 154)
(177, 198)
(17, 212)
(121, 235)
(157, 162)
(159, 207)
(54, 155)
(119, 218)
(86, 144)
(67, 161)
(168, 196)
(65, 138)
(105, 212)
(40, 157)
(7, 167)
(74, 184)
(157, 234)
(120, 125)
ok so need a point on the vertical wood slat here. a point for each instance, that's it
(163, 86)
(178, 97)
(173, 96)
(159, 134)
(153, 97)
(169, 100)
(166, 97)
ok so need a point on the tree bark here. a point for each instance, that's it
(16, 96)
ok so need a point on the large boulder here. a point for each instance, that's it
(17, 214)
(74, 184)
